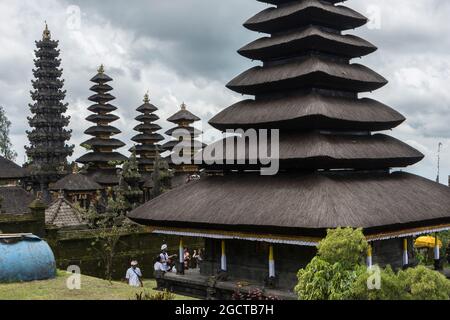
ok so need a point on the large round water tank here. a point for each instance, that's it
(25, 258)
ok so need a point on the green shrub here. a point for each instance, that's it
(422, 283)
(321, 280)
(390, 289)
(338, 272)
(346, 246)
(159, 296)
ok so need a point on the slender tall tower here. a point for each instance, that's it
(103, 159)
(147, 140)
(48, 150)
(184, 131)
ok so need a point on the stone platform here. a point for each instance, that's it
(193, 284)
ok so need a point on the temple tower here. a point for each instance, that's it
(102, 161)
(335, 170)
(147, 140)
(183, 141)
(48, 150)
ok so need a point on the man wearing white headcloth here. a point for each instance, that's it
(134, 275)
(166, 260)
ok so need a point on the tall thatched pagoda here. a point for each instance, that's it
(147, 140)
(335, 171)
(103, 159)
(48, 150)
(183, 141)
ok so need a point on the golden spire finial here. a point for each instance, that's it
(101, 69)
(183, 106)
(46, 35)
(147, 98)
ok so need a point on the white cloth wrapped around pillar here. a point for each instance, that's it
(271, 263)
(223, 260)
(405, 252)
(181, 251)
(437, 253)
(369, 257)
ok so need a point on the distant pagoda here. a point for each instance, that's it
(103, 159)
(184, 131)
(48, 150)
(334, 172)
(147, 140)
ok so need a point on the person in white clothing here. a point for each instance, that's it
(166, 260)
(134, 275)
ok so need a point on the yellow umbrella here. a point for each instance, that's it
(427, 242)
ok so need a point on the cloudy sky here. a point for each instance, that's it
(185, 50)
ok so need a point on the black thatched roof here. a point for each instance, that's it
(101, 78)
(310, 71)
(309, 111)
(147, 107)
(301, 201)
(76, 182)
(99, 143)
(156, 137)
(301, 41)
(102, 108)
(101, 157)
(15, 200)
(280, 2)
(105, 177)
(327, 151)
(183, 116)
(190, 131)
(305, 12)
(98, 130)
(10, 170)
(96, 118)
(307, 88)
(143, 127)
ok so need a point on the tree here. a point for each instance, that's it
(107, 230)
(162, 177)
(422, 283)
(331, 274)
(130, 182)
(6, 148)
(344, 245)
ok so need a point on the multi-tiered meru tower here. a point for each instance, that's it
(335, 171)
(48, 150)
(183, 141)
(147, 140)
(103, 160)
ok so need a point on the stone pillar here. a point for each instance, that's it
(369, 257)
(223, 260)
(37, 208)
(180, 268)
(405, 253)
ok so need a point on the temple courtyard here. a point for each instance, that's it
(91, 289)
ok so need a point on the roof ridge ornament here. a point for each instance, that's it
(183, 106)
(101, 69)
(46, 35)
(147, 97)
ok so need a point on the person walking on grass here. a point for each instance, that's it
(134, 275)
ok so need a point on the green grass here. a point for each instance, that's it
(91, 289)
